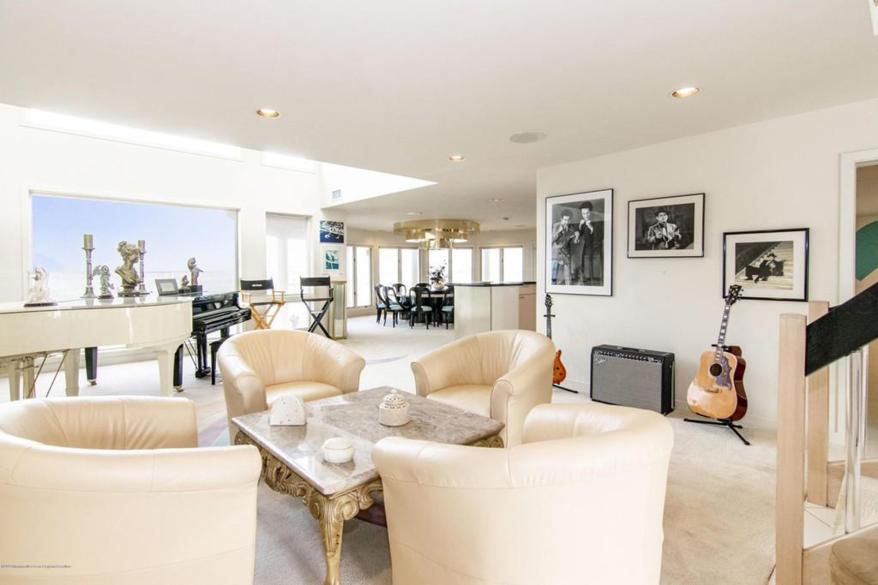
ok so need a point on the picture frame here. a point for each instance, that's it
(331, 259)
(666, 227)
(167, 286)
(770, 265)
(579, 249)
(331, 232)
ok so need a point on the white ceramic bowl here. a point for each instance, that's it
(338, 450)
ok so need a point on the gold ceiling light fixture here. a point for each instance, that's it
(267, 113)
(685, 92)
(435, 234)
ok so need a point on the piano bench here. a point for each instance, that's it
(214, 347)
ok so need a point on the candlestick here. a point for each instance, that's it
(88, 247)
(141, 286)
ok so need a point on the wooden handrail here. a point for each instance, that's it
(845, 329)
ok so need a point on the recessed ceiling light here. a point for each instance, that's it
(413, 213)
(528, 137)
(496, 200)
(685, 92)
(267, 113)
(455, 157)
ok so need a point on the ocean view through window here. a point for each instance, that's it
(173, 234)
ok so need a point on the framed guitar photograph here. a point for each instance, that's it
(579, 243)
(666, 227)
(769, 265)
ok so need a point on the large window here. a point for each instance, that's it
(436, 260)
(359, 276)
(462, 265)
(503, 264)
(398, 265)
(286, 250)
(173, 234)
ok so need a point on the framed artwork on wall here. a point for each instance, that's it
(331, 232)
(331, 259)
(666, 227)
(770, 265)
(579, 243)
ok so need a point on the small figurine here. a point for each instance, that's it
(130, 279)
(39, 290)
(194, 271)
(184, 282)
(102, 271)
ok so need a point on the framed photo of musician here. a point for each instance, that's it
(770, 265)
(579, 243)
(666, 227)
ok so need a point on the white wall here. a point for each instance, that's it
(781, 173)
(34, 160)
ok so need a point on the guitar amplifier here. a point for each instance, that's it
(633, 377)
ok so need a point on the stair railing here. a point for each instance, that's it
(805, 350)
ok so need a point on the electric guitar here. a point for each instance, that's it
(718, 388)
(559, 372)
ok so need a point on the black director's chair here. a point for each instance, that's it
(319, 291)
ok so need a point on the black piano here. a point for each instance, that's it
(210, 313)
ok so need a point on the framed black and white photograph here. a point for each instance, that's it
(166, 286)
(579, 243)
(666, 227)
(331, 232)
(770, 265)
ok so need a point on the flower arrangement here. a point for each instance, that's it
(437, 276)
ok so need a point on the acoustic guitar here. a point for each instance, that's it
(559, 372)
(718, 388)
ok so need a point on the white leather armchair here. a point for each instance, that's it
(499, 374)
(580, 502)
(112, 491)
(259, 366)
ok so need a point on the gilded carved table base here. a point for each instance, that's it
(330, 511)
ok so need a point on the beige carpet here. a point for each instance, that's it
(719, 513)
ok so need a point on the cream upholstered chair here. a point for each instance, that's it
(259, 366)
(581, 501)
(112, 491)
(500, 374)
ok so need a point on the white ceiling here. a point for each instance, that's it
(396, 86)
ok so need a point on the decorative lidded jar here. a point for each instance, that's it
(393, 410)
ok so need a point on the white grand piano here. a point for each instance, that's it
(159, 324)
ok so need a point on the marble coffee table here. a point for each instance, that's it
(292, 462)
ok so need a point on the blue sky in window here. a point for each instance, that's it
(173, 233)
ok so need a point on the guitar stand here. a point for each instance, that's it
(724, 422)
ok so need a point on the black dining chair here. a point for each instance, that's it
(400, 290)
(380, 304)
(447, 308)
(420, 306)
(394, 306)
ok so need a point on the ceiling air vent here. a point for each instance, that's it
(336, 195)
